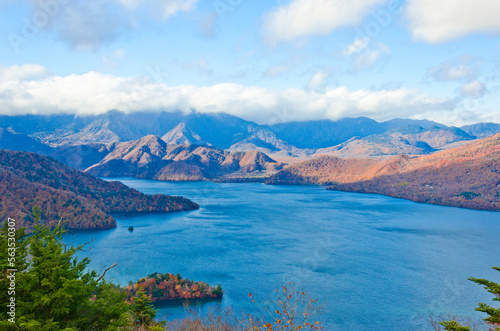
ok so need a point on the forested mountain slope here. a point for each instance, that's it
(79, 199)
(467, 176)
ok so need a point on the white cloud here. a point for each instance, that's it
(459, 68)
(369, 58)
(110, 61)
(317, 81)
(173, 7)
(119, 53)
(474, 89)
(22, 73)
(455, 73)
(84, 24)
(464, 69)
(94, 93)
(440, 21)
(87, 24)
(163, 8)
(301, 18)
(361, 55)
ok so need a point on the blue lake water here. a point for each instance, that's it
(378, 263)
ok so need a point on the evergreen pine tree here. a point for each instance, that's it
(454, 326)
(55, 292)
(493, 319)
(218, 290)
(493, 313)
(143, 311)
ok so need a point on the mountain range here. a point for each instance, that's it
(223, 131)
(219, 147)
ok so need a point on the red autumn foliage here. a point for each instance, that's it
(164, 287)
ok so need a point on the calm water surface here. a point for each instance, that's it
(378, 263)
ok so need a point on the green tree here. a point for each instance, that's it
(55, 292)
(218, 290)
(454, 326)
(143, 311)
(106, 309)
(493, 319)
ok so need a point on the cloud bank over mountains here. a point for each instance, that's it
(234, 71)
(31, 89)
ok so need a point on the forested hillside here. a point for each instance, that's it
(79, 199)
(467, 176)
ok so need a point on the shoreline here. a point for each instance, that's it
(327, 186)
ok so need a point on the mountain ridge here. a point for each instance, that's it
(224, 131)
(466, 176)
(84, 142)
(150, 157)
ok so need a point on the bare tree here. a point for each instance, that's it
(288, 309)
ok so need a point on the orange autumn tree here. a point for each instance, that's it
(288, 309)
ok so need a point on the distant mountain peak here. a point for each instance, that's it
(151, 157)
(140, 152)
(409, 129)
(181, 135)
(482, 130)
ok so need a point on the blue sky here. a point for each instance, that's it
(266, 61)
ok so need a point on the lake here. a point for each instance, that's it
(378, 263)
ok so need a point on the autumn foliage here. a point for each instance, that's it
(287, 309)
(163, 287)
(80, 200)
(467, 176)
